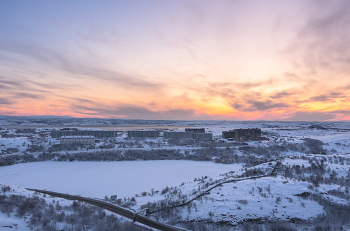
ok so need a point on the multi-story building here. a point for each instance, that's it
(239, 135)
(97, 134)
(228, 134)
(188, 135)
(178, 135)
(77, 140)
(203, 136)
(143, 134)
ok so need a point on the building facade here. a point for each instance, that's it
(77, 140)
(188, 135)
(228, 134)
(248, 134)
(178, 135)
(143, 134)
(240, 135)
(97, 134)
(195, 130)
(203, 136)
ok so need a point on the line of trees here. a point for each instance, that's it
(225, 156)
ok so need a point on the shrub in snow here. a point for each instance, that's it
(12, 150)
(280, 226)
(314, 146)
(278, 199)
(243, 202)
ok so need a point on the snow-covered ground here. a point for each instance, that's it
(19, 212)
(266, 197)
(18, 142)
(262, 198)
(8, 223)
(97, 179)
(251, 199)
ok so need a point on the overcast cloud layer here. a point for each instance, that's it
(233, 60)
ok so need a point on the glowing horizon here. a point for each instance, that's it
(230, 60)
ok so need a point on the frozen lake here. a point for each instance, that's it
(97, 179)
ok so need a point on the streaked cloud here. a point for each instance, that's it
(134, 112)
(176, 60)
(311, 116)
(329, 97)
(5, 102)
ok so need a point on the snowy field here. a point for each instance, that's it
(97, 179)
(252, 199)
(12, 223)
(21, 143)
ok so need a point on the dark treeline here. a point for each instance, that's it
(309, 146)
(336, 215)
(252, 155)
(225, 156)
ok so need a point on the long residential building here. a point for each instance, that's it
(228, 134)
(203, 136)
(97, 134)
(178, 135)
(77, 140)
(188, 135)
(143, 134)
(248, 134)
(239, 135)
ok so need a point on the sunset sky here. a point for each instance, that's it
(183, 59)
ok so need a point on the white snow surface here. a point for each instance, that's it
(13, 223)
(19, 142)
(224, 201)
(97, 179)
(266, 197)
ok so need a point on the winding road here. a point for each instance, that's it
(115, 209)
